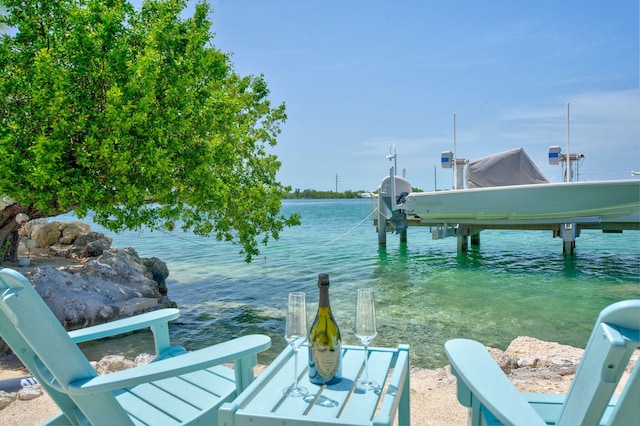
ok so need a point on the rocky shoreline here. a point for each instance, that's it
(83, 279)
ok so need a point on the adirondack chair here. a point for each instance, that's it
(492, 398)
(179, 387)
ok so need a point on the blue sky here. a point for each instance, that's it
(359, 76)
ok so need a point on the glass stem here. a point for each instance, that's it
(295, 367)
(366, 363)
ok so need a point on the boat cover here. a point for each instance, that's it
(506, 168)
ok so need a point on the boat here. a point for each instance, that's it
(508, 189)
(567, 202)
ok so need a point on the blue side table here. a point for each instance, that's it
(263, 403)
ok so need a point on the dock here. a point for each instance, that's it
(467, 231)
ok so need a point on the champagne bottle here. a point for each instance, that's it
(325, 343)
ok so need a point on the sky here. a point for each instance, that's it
(358, 77)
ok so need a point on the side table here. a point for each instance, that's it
(263, 403)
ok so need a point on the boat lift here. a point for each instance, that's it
(394, 191)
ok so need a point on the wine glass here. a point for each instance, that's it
(296, 334)
(366, 332)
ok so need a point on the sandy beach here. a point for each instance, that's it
(542, 367)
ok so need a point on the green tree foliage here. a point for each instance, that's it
(136, 116)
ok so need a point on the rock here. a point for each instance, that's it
(111, 283)
(82, 241)
(6, 398)
(46, 234)
(528, 349)
(112, 363)
(27, 230)
(93, 293)
(143, 359)
(96, 248)
(157, 270)
(30, 392)
(71, 230)
(531, 362)
(506, 362)
(539, 362)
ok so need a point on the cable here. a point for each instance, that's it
(350, 230)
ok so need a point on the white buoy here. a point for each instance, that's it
(22, 218)
(24, 261)
(29, 243)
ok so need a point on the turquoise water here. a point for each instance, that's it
(515, 284)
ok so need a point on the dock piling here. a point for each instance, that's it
(382, 223)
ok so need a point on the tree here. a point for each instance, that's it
(136, 116)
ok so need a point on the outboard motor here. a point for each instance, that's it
(402, 189)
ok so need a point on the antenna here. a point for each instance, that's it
(455, 154)
(435, 179)
(568, 177)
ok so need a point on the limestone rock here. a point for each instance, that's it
(97, 292)
(6, 398)
(46, 234)
(112, 363)
(506, 362)
(539, 362)
(108, 284)
(143, 359)
(30, 392)
(71, 230)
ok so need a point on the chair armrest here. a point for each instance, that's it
(156, 320)
(481, 379)
(242, 347)
(228, 409)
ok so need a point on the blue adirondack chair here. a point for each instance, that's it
(492, 398)
(179, 387)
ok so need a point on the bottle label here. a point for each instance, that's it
(326, 361)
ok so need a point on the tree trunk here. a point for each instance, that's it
(9, 237)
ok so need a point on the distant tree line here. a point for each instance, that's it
(315, 194)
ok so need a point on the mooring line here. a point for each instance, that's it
(350, 230)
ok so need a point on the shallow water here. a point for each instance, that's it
(517, 283)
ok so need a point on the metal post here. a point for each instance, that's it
(569, 234)
(475, 239)
(382, 220)
(463, 238)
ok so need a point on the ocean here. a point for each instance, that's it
(517, 283)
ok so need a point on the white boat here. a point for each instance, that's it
(507, 188)
(569, 202)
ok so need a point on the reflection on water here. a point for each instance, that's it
(516, 283)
